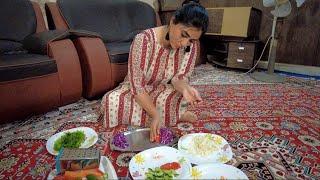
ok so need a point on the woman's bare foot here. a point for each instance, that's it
(188, 117)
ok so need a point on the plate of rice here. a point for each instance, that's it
(202, 148)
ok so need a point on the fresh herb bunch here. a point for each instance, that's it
(158, 173)
(70, 140)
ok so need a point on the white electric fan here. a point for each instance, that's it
(282, 9)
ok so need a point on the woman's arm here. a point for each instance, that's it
(138, 60)
(190, 94)
(180, 80)
(180, 85)
(145, 101)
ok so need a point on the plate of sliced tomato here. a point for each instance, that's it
(159, 163)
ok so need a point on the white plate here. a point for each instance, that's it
(155, 157)
(105, 167)
(91, 138)
(216, 148)
(216, 171)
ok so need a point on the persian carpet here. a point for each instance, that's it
(273, 129)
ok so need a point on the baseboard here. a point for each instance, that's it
(293, 68)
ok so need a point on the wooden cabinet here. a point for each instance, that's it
(234, 22)
(233, 54)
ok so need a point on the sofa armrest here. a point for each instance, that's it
(75, 33)
(54, 17)
(69, 69)
(38, 43)
(95, 65)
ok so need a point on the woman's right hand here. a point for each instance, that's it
(154, 128)
(191, 95)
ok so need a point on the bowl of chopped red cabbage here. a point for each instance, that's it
(166, 136)
(120, 141)
(139, 140)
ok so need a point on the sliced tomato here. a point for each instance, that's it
(60, 177)
(157, 139)
(175, 165)
(169, 166)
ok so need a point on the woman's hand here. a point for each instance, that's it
(191, 95)
(154, 128)
(145, 101)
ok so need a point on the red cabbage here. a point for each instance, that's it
(120, 141)
(166, 136)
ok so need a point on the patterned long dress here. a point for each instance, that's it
(151, 68)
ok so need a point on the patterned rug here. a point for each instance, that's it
(273, 129)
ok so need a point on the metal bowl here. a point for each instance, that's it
(139, 140)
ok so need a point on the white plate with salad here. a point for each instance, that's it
(81, 137)
(216, 171)
(159, 163)
(105, 167)
(203, 148)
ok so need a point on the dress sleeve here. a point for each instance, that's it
(187, 64)
(138, 58)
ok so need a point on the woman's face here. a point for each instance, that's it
(182, 36)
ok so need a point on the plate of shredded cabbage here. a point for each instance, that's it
(81, 137)
(202, 148)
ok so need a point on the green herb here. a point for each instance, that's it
(91, 177)
(70, 140)
(105, 176)
(158, 173)
(182, 160)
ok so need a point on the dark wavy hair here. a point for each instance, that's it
(192, 14)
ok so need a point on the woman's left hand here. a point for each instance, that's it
(191, 95)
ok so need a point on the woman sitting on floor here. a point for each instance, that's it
(156, 91)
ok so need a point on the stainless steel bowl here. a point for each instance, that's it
(139, 140)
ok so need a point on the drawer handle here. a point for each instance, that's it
(239, 60)
(241, 48)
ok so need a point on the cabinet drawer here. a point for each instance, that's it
(241, 55)
(242, 49)
(238, 62)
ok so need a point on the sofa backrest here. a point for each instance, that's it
(114, 20)
(17, 20)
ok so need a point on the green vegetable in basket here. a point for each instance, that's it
(70, 140)
(158, 173)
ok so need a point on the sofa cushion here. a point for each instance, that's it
(115, 21)
(17, 20)
(11, 47)
(19, 66)
(118, 52)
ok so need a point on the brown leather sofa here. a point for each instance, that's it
(103, 61)
(39, 70)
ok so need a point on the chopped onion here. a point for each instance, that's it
(120, 141)
(166, 136)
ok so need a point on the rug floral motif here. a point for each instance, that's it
(273, 129)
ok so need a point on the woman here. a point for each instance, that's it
(156, 90)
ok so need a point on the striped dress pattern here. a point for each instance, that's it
(151, 68)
